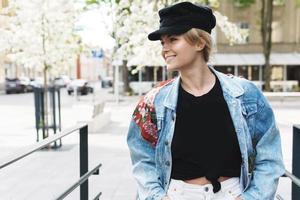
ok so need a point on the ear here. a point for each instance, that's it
(200, 44)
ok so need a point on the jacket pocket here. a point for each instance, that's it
(249, 110)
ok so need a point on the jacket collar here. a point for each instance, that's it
(229, 87)
(172, 94)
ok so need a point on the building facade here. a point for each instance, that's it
(247, 59)
(3, 3)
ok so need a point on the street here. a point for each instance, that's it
(50, 167)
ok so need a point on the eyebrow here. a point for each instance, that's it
(168, 36)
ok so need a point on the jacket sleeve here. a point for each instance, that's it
(144, 169)
(268, 163)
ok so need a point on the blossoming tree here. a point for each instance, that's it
(134, 19)
(40, 35)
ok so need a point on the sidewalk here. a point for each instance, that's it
(47, 173)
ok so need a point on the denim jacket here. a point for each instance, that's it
(151, 130)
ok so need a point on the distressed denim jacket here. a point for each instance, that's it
(152, 127)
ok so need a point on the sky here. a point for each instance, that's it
(95, 26)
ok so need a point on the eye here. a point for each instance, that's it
(162, 43)
(172, 39)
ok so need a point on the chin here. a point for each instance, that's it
(172, 67)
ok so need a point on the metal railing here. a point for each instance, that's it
(296, 166)
(83, 159)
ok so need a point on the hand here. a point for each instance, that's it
(238, 198)
(165, 198)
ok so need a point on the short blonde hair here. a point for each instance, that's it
(193, 37)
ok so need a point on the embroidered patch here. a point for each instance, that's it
(144, 114)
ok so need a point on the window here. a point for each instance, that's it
(243, 71)
(277, 73)
(148, 74)
(244, 26)
(254, 73)
(293, 73)
(225, 69)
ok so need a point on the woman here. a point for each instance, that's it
(202, 135)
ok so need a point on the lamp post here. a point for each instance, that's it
(116, 65)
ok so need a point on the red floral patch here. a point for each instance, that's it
(145, 116)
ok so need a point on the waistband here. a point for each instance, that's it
(224, 185)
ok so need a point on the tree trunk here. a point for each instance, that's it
(266, 31)
(125, 74)
(78, 67)
(46, 122)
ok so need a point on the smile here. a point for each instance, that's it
(169, 58)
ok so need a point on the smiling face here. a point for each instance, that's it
(178, 53)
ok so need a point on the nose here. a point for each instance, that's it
(165, 47)
(164, 50)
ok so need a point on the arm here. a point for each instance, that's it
(144, 169)
(268, 163)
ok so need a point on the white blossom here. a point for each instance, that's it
(232, 32)
(133, 22)
(40, 34)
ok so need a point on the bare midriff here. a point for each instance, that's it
(204, 181)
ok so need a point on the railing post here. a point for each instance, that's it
(83, 143)
(296, 161)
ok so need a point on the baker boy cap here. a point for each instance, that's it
(179, 18)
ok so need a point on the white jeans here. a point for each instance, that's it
(180, 190)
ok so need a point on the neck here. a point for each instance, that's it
(197, 80)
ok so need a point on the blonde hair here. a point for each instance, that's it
(193, 37)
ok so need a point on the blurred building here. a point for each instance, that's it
(96, 67)
(247, 59)
(3, 3)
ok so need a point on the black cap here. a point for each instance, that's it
(179, 18)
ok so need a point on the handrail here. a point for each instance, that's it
(294, 179)
(97, 196)
(297, 126)
(83, 158)
(295, 163)
(79, 182)
(33, 148)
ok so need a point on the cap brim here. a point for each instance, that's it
(156, 35)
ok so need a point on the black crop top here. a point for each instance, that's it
(204, 142)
